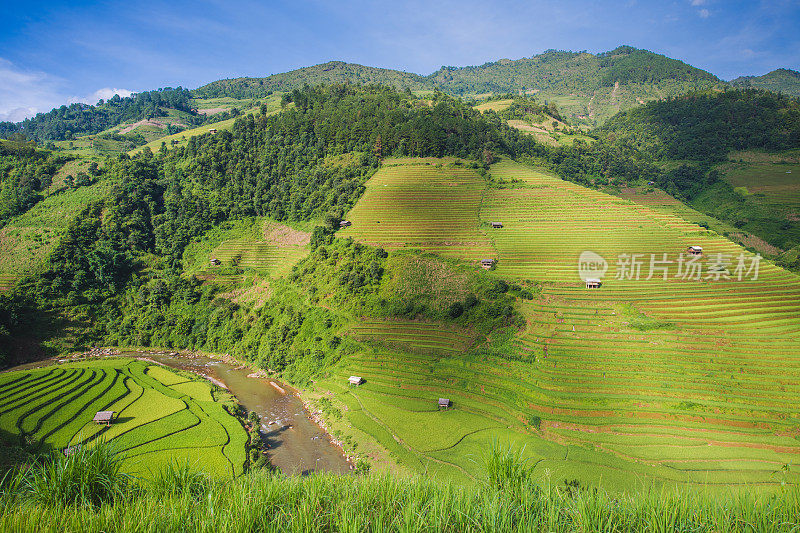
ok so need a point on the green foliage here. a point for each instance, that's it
(179, 479)
(24, 172)
(781, 80)
(506, 469)
(527, 109)
(706, 126)
(91, 476)
(333, 72)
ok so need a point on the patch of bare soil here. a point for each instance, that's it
(282, 235)
(129, 128)
(213, 110)
(258, 294)
(757, 243)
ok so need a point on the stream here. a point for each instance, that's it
(295, 443)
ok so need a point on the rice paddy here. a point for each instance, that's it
(673, 380)
(431, 207)
(161, 416)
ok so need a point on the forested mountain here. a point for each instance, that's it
(328, 73)
(587, 88)
(309, 161)
(781, 80)
(573, 72)
(66, 122)
(602, 84)
(706, 126)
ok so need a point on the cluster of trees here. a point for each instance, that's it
(529, 110)
(706, 126)
(626, 64)
(24, 172)
(65, 122)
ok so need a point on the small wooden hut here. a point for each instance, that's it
(355, 380)
(215, 262)
(593, 283)
(487, 263)
(345, 223)
(104, 417)
(212, 130)
(695, 250)
(497, 225)
(444, 403)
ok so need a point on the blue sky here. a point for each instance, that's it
(54, 52)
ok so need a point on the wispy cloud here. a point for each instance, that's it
(23, 93)
(704, 13)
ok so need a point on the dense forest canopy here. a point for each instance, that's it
(24, 172)
(781, 80)
(706, 126)
(80, 119)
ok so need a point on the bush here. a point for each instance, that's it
(179, 479)
(90, 476)
(455, 310)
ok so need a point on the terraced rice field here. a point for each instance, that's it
(424, 206)
(262, 256)
(161, 416)
(673, 380)
(415, 336)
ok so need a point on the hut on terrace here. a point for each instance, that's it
(593, 283)
(497, 225)
(355, 380)
(444, 403)
(215, 262)
(345, 223)
(695, 250)
(104, 417)
(212, 130)
(487, 263)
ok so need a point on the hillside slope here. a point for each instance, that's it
(687, 379)
(781, 80)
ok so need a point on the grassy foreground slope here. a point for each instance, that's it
(161, 416)
(678, 379)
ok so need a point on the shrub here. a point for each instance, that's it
(89, 476)
(179, 479)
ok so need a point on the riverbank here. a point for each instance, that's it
(294, 438)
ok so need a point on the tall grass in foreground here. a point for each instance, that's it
(182, 500)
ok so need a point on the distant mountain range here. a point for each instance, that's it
(781, 80)
(587, 88)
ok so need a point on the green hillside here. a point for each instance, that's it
(589, 88)
(644, 378)
(781, 80)
(333, 72)
(232, 243)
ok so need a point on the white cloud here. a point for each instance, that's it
(105, 93)
(23, 93)
(704, 13)
(698, 2)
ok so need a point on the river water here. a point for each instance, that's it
(295, 443)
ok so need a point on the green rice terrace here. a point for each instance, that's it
(675, 377)
(161, 417)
